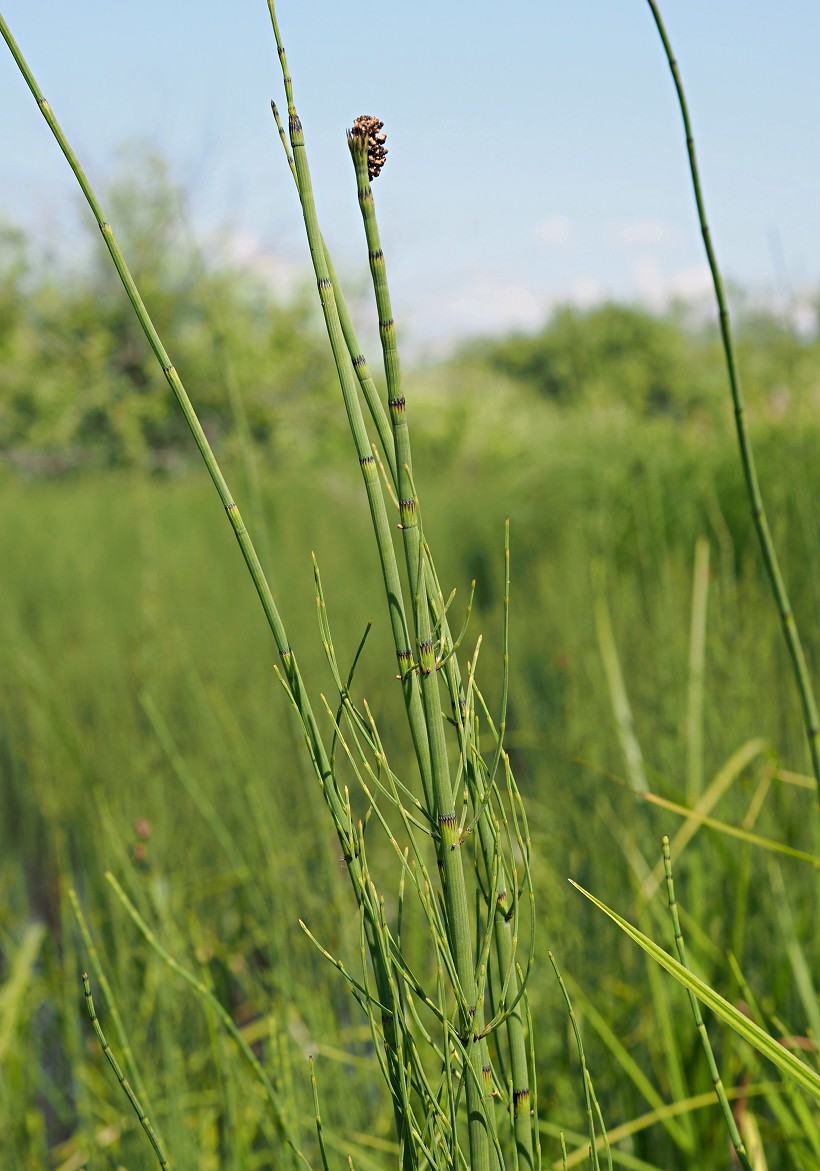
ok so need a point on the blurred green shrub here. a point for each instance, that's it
(617, 354)
(77, 377)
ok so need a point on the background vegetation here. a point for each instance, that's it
(142, 730)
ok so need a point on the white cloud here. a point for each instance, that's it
(554, 231)
(585, 292)
(246, 251)
(643, 230)
(658, 287)
(486, 304)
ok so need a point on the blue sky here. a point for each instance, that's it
(536, 153)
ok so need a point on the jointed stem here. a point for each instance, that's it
(290, 670)
(246, 545)
(371, 394)
(421, 690)
(122, 1079)
(761, 523)
(501, 894)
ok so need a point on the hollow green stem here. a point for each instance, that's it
(371, 394)
(122, 1079)
(367, 461)
(761, 523)
(359, 141)
(425, 719)
(290, 671)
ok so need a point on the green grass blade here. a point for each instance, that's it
(717, 1081)
(13, 989)
(621, 707)
(734, 831)
(758, 1038)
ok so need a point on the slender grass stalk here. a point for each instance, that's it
(207, 997)
(585, 1076)
(371, 394)
(717, 1081)
(761, 523)
(367, 462)
(110, 1000)
(319, 1128)
(530, 1034)
(145, 1123)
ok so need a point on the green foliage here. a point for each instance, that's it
(615, 355)
(137, 592)
(78, 383)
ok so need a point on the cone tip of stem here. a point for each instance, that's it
(365, 134)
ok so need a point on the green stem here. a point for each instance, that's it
(291, 673)
(717, 1081)
(761, 523)
(371, 394)
(408, 504)
(122, 1079)
(450, 853)
(367, 461)
(426, 722)
(246, 545)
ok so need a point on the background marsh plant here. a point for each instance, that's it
(438, 943)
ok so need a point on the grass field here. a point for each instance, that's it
(300, 885)
(143, 732)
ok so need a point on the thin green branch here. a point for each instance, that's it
(761, 523)
(144, 1121)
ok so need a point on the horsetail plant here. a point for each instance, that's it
(367, 147)
(368, 151)
(439, 1055)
